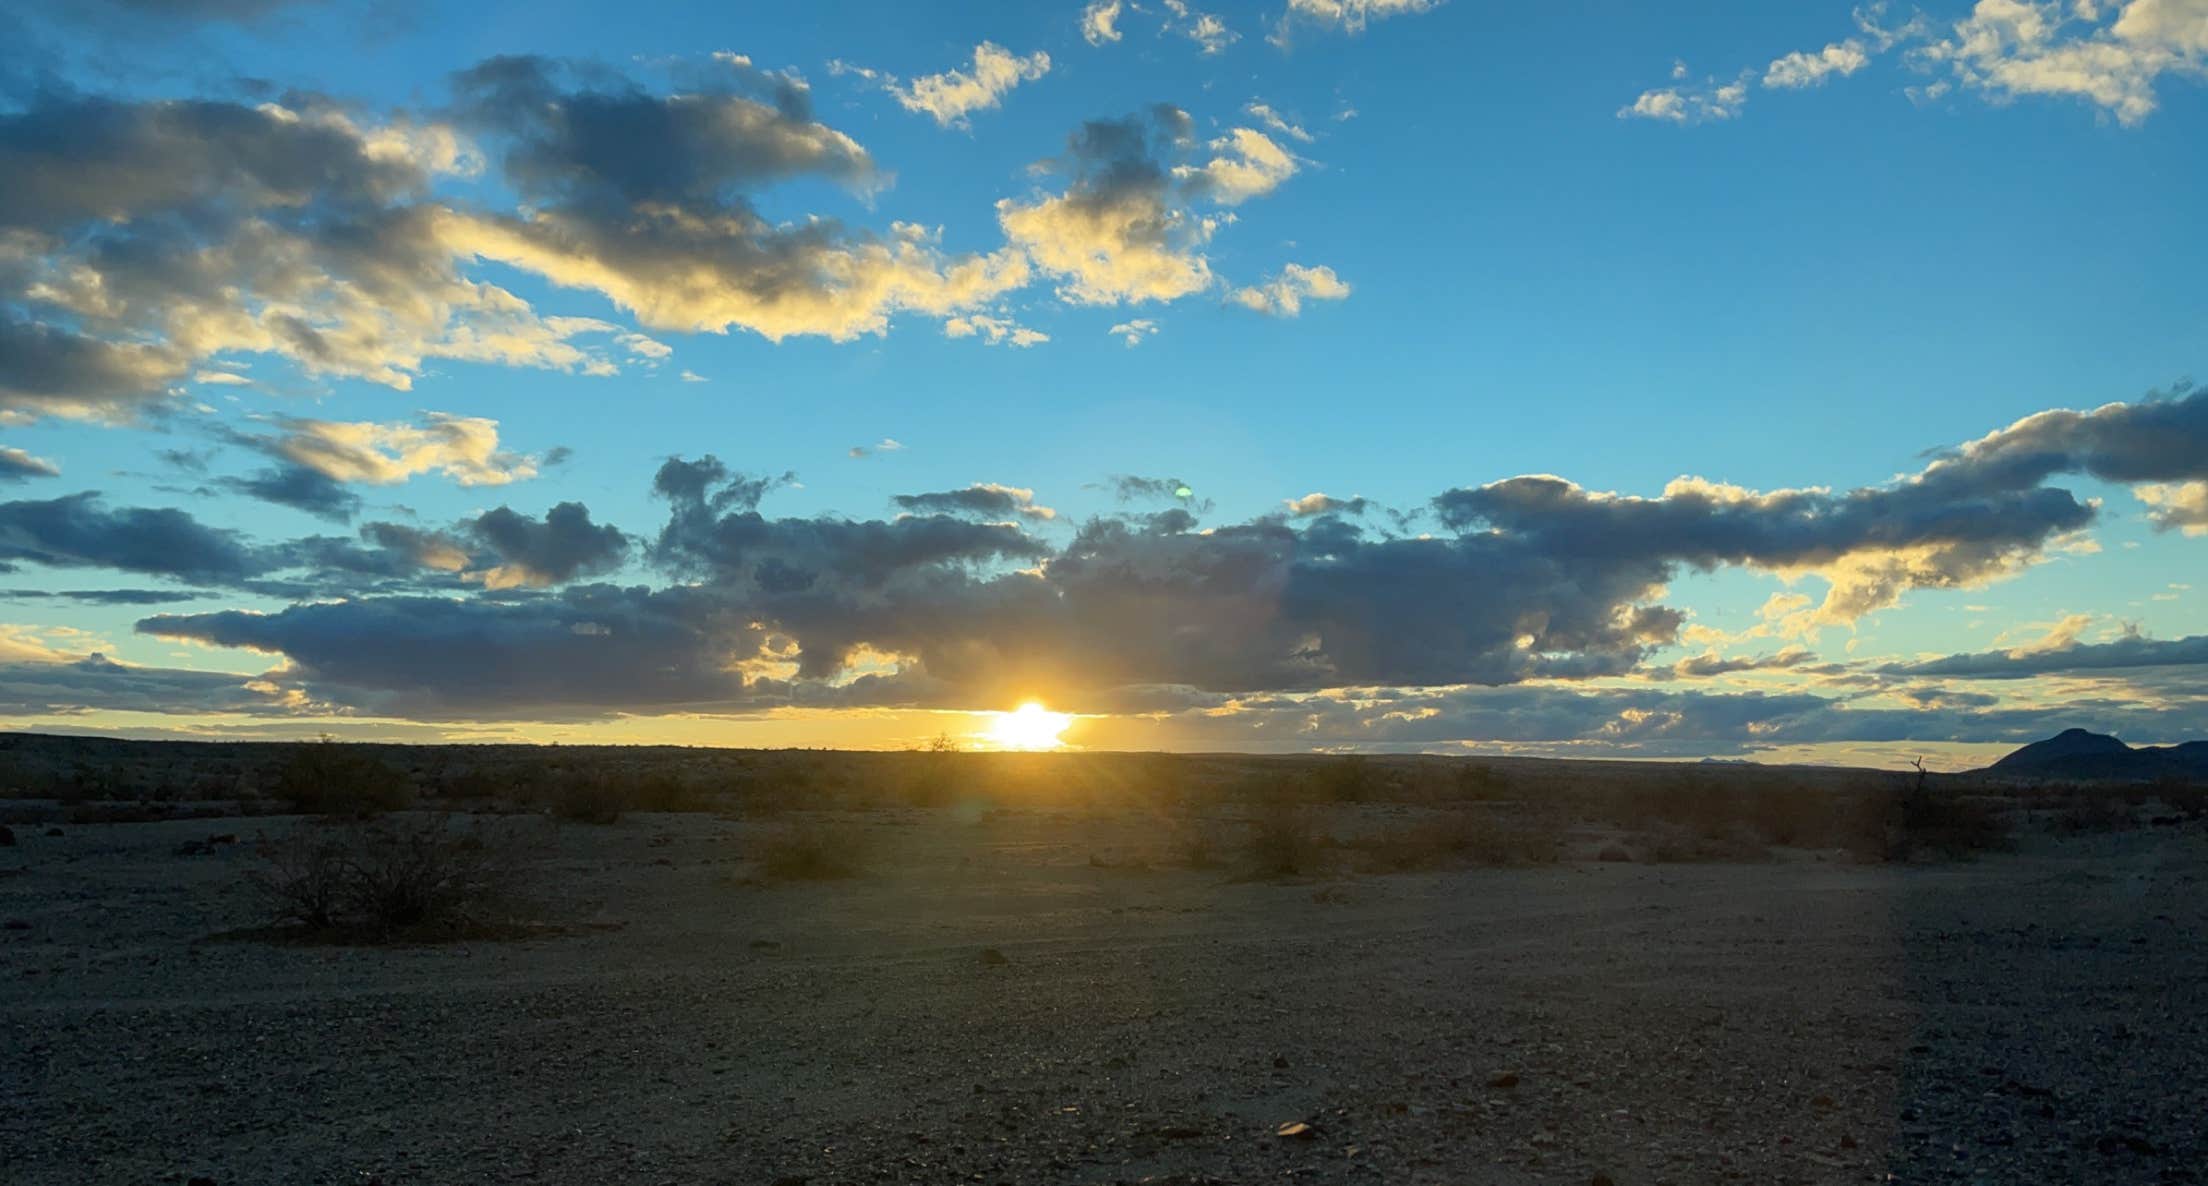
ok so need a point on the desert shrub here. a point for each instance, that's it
(395, 875)
(587, 799)
(329, 777)
(1453, 838)
(2087, 813)
(665, 791)
(1199, 844)
(810, 852)
(1679, 847)
(1350, 779)
(1480, 782)
(1945, 824)
(1284, 842)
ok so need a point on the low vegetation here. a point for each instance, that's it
(421, 876)
(810, 852)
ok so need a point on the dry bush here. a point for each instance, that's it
(418, 877)
(1284, 841)
(1199, 844)
(1455, 837)
(811, 852)
(1945, 824)
(587, 799)
(1351, 779)
(1678, 847)
(329, 777)
(2089, 812)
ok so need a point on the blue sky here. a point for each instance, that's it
(1777, 247)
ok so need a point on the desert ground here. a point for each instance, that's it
(1071, 989)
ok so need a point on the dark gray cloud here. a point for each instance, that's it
(2078, 658)
(79, 531)
(557, 549)
(299, 488)
(17, 465)
(982, 498)
(97, 683)
(108, 596)
(1706, 666)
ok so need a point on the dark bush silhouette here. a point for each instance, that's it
(412, 875)
(330, 777)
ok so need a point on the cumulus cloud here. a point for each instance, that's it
(1283, 295)
(996, 331)
(559, 548)
(1100, 22)
(2110, 55)
(649, 200)
(140, 239)
(17, 465)
(987, 499)
(1248, 165)
(463, 448)
(2065, 656)
(950, 97)
(1210, 34)
(300, 488)
(1798, 69)
(1352, 16)
(1122, 231)
(2113, 55)
(1710, 101)
(81, 531)
(1133, 330)
(1316, 503)
(1264, 114)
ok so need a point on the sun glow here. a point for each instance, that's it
(1029, 726)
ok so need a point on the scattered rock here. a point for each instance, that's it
(1602, 1179)
(1504, 1081)
(1296, 1130)
(1280, 1062)
(17, 924)
(7, 836)
(1180, 1132)
(991, 957)
(53, 831)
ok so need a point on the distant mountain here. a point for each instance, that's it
(2079, 753)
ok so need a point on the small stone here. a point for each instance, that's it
(993, 958)
(1180, 1132)
(1504, 1081)
(53, 831)
(1602, 1179)
(1614, 854)
(1295, 1130)
(1280, 1062)
(7, 836)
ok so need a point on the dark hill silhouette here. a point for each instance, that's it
(2080, 753)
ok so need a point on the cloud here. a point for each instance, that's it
(80, 531)
(462, 448)
(885, 445)
(141, 239)
(533, 553)
(1713, 100)
(1264, 114)
(1134, 330)
(1351, 16)
(2112, 55)
(2158, 446)
(996, 331)
(648, 199)
(1122, 231)
(1798, 69)
(2011, 48)
(1100, 22)
(1325, 504)
(1249, 165)
(2066, 657)
(300, 488)
(1210, 34)
(950, 97)
(1283, 295)
(17, 465)
(96, 683)
(987, 499)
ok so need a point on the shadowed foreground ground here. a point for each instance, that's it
(2037, 1016)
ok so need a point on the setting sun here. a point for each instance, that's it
(1029, 726)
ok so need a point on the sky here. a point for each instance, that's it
(1797, 383)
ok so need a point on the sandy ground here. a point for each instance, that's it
(2034, 1017)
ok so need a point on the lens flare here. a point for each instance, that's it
(1030, 726)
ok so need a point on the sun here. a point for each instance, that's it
(1029, 726)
